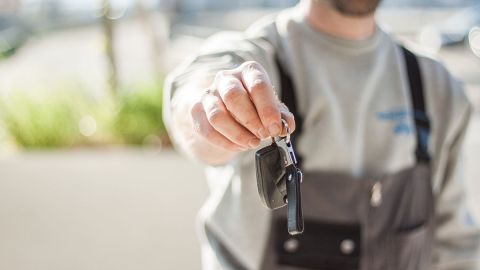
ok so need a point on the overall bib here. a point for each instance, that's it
(384, 223)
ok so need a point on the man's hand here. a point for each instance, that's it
(239, 109)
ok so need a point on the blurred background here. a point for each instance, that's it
(88, 179)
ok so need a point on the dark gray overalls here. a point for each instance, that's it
(385, 223)
(369, 224)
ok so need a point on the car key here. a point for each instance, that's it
(279, 179)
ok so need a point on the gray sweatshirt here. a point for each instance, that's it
(353, 96)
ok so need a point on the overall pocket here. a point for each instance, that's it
(411, 248)
(326, 246)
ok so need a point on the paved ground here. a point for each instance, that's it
(105, 210)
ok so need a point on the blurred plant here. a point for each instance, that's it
(60, 119)
(138, 119)
(7, 53)
(41, 122)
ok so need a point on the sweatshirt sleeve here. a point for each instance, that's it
(457, 233)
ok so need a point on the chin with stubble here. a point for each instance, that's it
(357, 8)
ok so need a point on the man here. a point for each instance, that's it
(379, 131)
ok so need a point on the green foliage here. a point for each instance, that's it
(138, 119)
(59, 119)
(35, 122)
(7, 53)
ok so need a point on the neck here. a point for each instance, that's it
(326, 19)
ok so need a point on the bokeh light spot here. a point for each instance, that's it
(474, 40)
(87, 125)
(118, 9)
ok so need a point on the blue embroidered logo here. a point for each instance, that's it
(400, 119)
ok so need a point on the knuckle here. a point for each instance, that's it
(216, 116)
(252, 123)
(241, 138)
(232, 93)
(259, 85)
(219, 75)
(271, 113)
(248, 122)
(196, 110)
(251, 65)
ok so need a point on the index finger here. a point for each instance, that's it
(260, 89)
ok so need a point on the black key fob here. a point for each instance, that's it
(279, 179)
(270, 169)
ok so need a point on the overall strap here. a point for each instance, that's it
(288, 97)
(421, 120)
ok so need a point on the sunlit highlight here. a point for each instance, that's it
(474, 40)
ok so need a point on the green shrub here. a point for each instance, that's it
(138, 118)
(41, 122)
(59, 119)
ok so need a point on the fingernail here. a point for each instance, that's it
(263, 133)
(274, 129)
(253, 142)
